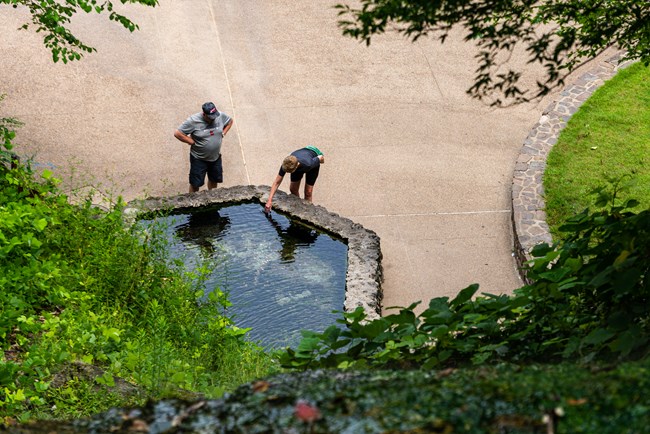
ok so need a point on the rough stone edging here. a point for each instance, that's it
(364, 273)
(528, 215)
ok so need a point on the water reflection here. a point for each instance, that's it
(202, 229)
(294, 236)
(281, 276)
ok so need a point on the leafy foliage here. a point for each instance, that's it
(53, 18)
(556, 34)
(80, 287)
(588, 302)
(7, 133)
(490, 399)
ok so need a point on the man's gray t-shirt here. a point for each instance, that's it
(207, 136)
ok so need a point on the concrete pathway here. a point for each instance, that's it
(409, 155)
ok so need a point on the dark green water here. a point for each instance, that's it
(281, 276)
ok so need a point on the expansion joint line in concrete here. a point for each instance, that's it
(498, 211)
(433, 75)
(232, 101)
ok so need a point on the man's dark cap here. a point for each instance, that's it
(210, 110)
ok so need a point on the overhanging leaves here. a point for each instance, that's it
(52, 18)
(557, 35)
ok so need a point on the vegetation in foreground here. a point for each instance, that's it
(498, 399)
(588, 303)
(567, 353)
(83, 291)
(607, 139)
(95, 315)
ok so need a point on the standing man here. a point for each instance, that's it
(204, 132)
(305, 161)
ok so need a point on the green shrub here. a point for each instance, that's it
(80, 287)
(589, 301)
(501, 399)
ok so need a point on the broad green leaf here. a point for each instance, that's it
(621, 258)
(540, 250)
(40, 224)
(480, 358)
(331, 334)
(473, 317)
(19, 395)
(440, 332)
(556, 274)
(601, 278)
(624, 282)
(626, 342)
(406, 316)
(345, 364)
(307, 345)
(464, 295)
(106, 379)
(573, 263)
(111, 333)
(373, 328)
(179, 377)
(598, 336)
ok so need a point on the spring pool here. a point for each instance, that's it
(281, 275)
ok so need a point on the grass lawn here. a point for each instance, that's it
(606, 143)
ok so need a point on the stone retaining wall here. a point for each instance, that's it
(364, 273)
(528, 215)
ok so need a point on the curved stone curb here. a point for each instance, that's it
(528, 215)
(364, 273)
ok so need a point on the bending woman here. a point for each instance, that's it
(305, 161)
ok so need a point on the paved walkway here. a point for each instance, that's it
(409, 154)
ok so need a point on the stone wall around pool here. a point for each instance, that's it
(364, 273)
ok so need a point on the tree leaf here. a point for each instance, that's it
(598, 336)
(464, 295)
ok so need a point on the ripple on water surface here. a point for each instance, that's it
(281, 275)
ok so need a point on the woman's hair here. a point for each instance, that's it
(290, 164)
